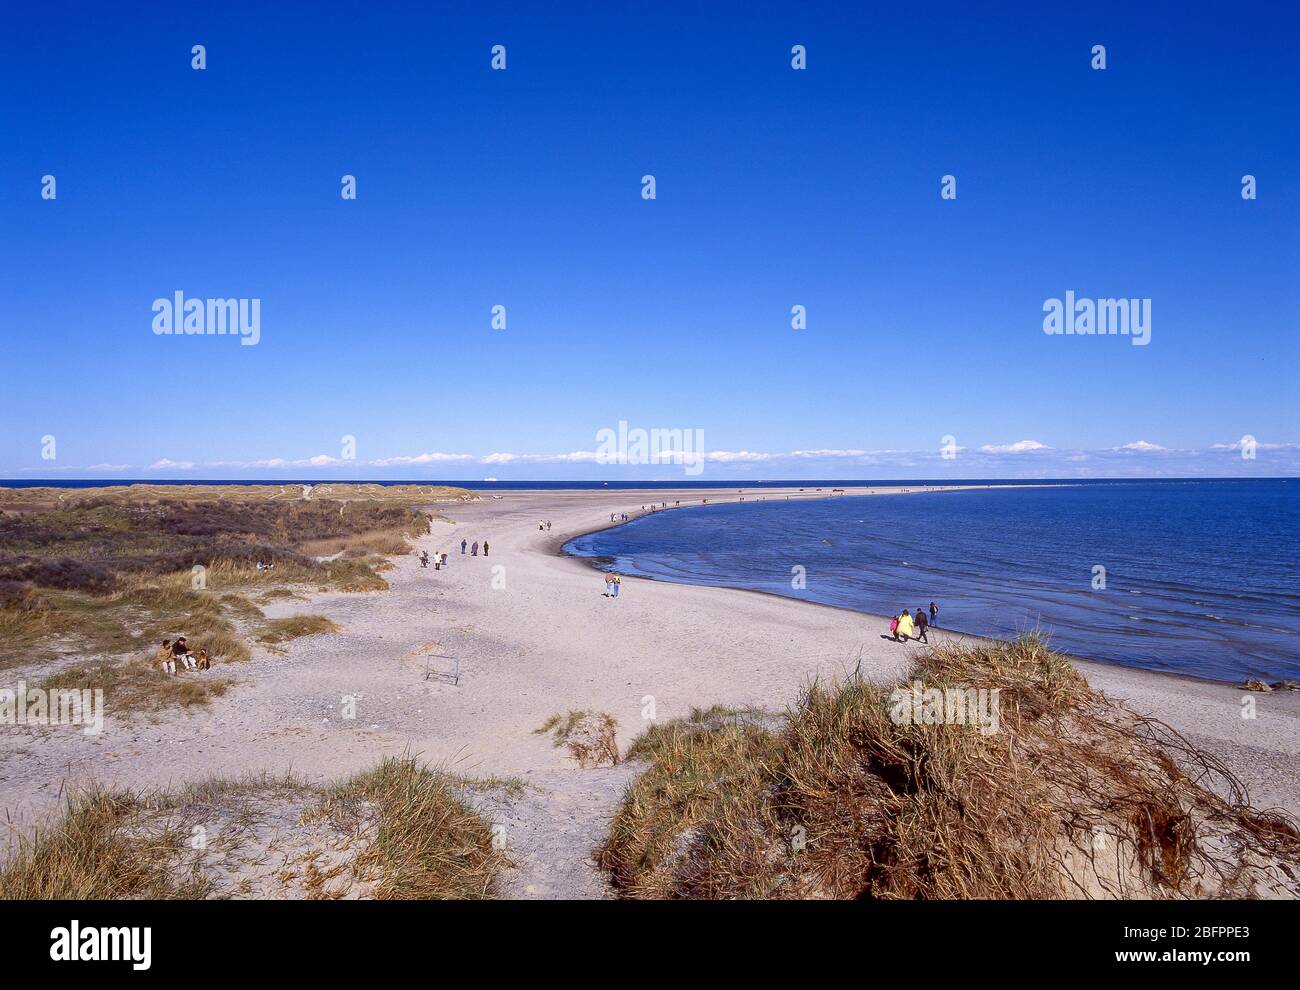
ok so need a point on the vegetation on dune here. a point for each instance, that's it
(588, 736)
(1073, 795)
(93, 574)
(134, 494)
(92, 854)
(401, 830)
(134, 685)
(294, 627)
(104, 572)
(423, 841)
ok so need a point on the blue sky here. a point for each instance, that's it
(775, 188)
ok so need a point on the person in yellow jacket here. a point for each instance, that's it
(904, 631)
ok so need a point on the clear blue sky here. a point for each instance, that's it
(523, 188)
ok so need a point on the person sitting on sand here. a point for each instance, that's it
(921, 623)
(904, 630)
(182, 654)
(166, 659)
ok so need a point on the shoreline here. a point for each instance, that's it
(557, 548)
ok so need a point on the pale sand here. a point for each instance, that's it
(544, 643)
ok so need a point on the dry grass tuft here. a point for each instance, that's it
(1073, 796)
(422, 841)
(296, 626)
(93, 854)
(590, 737)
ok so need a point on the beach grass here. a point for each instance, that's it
(423, 841)
(1072, 795)
(400, 831)
(295, 627)
(589, 737)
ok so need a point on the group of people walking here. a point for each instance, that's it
(173, 656)
(905, 626)
(439, 560)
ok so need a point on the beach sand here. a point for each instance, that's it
(535, 637)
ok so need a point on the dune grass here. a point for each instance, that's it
(1072, 796)
(426, 844)
(399, 831)
(295, 627)
(590, 737)
(93, 854)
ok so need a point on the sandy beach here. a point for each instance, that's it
(534, 637)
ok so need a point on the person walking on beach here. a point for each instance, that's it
(424, 558)
(934, 614)
(614, 586)
(463, 545)
(548, 525)
(473, 549)
(485, 548)
(922, 623)
(904, 629)
(611, 517)
(609, 586)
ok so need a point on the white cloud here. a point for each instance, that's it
(1019, 447)
(829, 453)
(166, 463)
(434, 458)
(737, 456)
(1141, 446)
(108, 467)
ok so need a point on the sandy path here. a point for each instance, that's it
(534, 637)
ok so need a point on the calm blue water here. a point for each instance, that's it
(1201, 576)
